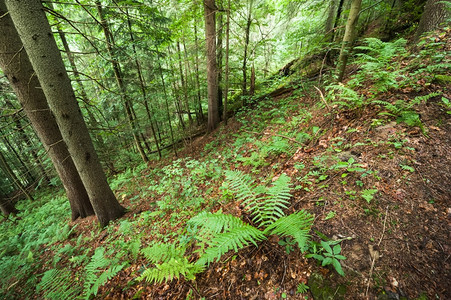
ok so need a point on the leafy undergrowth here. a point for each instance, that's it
(369, 159)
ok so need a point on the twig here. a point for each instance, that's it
(376, 254)
(322, 97)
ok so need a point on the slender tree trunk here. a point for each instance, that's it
(226, 92)
(348, 38)
(200, 112)
(26, 168)
(252, 83)
(337, 19)
(165, 91)
(39, 43)
(220, 55)
(184, 84)
(435, 13)
(246, 46)
(17, 68)
(29, 144)
(329, 26)
(142, 84)
(119, 79)
(16, 181)
(212, 75)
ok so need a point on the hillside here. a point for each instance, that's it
(368, 159)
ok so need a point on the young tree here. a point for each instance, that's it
(435, 13)
(39, 43)
(348, 38)
(212, 76)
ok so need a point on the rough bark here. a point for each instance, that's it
(17, 68)
(212, 76)
(39, 43)
(348, 38)
(435, 13)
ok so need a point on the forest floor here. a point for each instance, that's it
(380, 187)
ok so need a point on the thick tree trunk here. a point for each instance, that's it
(39, 43)
(212, 75)
(348, 38)
(435, 13)
(17, 68)
(337, 19)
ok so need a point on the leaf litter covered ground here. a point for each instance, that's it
(378, 185)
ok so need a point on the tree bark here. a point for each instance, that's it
(39, 43)
(16, 65)
(337, 18)
(329, 26)
(435, 13)
(226, 91)
(219, 51)
(16, 181)
(212, 75)
(348, 38)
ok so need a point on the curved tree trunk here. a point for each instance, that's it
(17, 68)
(39, 43)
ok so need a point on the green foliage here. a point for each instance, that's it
(328, 255)
(169, 263)
(368, 194)
(58, 284)
(339, 94)
(302, 288)
(98, 271)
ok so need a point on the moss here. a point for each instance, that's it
(323, 289)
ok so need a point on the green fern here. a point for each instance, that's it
(58, 284)
(296, 225)
(169, 262)
(97, 273)
(272, 206)
(235, 239)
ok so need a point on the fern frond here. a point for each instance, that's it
(162, 252)
(296, 225)
(272, 206)
(215, 222)
(58, 284)
(244, 188)
(235, 239)
(173, 268)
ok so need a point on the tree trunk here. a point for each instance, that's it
(212, 75)
(39, 43)
(219, 51)
(119, 79)
(200, 112)
(435, 13)
(329, 27)
(348, 38)
(246, 45)
(16, 65)
(226, 92)
(13, 177)
(337, 19)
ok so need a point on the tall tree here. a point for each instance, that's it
(348, 38)
(16, 65)
(34, 31)
(212, 75)
(246, 46)
(435, 13)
